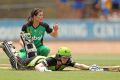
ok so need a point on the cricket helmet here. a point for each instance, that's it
(64, 51)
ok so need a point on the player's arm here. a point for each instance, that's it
(41, 68)
(81, 66)
(78, 65)
(93, 67)
(54, 32)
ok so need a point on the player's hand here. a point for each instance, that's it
(55, 27)
(95, 67)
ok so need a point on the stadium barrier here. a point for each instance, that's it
(68, 29)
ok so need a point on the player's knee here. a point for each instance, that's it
(45, 51)
(22, 54)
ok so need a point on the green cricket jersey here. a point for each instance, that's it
(49, 62)
(38, 32)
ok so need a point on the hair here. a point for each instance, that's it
(33, 13)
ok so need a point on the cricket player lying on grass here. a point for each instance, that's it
(61, 60)
(55, 63)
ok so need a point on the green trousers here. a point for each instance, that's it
(41, 51)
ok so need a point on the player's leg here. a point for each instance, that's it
(22, 54)
(43, 50)
(22, 59)
(10, 52)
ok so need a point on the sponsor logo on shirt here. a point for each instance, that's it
(37, 38)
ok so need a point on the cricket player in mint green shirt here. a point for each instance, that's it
(58, 62)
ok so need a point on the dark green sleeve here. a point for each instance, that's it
(47, 27)
(24, 28)
(50, 62)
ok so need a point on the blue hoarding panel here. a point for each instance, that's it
(68, 29)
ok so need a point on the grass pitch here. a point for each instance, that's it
(65, 75)
(102, 60)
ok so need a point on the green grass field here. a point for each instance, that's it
(101, 59)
